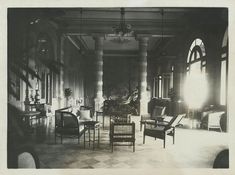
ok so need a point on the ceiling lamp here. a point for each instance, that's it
(162, 52)
(122, 31)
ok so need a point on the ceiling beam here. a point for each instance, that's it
(73, 42)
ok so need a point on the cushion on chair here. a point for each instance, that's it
(85, 115)
(158, 128)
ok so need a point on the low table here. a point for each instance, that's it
(26, 116)
(95, 126)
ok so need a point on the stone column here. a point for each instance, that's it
(143, 101)
(61, 75)
(98, 101)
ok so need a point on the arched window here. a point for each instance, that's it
(196, 61)
(195, 90)
(224, 67)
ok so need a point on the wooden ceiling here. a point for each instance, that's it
(81, 24)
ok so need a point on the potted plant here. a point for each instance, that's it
(172, 94)
(67, 94)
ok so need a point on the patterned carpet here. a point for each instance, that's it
(193, 149)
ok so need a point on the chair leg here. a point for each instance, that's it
(174, 138)
(84, 138)
(133, 146)
(94, 138)
(98, 137)
(61, 139)
(144, 139)
(220, 129)
(112, 146)
(89, 135)
(55, 138)
(140, 126)
(164, 141)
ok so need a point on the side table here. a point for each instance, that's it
(95, 126)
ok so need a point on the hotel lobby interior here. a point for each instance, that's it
(117, 88)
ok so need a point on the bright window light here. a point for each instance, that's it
(195, 86)
(223, 83)
(195, 90)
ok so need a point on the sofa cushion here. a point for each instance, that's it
(85, 115)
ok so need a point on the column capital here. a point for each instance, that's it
(98, 36)
(99, 41)
(143, 39)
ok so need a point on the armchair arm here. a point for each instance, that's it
(156, 117)
(145, 117)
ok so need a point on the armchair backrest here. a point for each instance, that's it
(119, 117)
(122, 129)
(69, 120)
(214, 118)
(158, 111)
(175, 121)
(64, 119)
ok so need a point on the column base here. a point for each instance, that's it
(98, 103)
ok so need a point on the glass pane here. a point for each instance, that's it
(188, 59)
(195, 88)
(192, 57)
(223, 83)
(160, 88)
(197, 55)
(43, 86)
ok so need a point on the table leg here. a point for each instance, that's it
(103, 122)
(89, 135)
(85, 139)
(93, 138)
(98, 137)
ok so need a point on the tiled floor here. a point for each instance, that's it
(193, 149)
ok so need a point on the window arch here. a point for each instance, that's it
(223, 69)
(196, 56)
(195, 90)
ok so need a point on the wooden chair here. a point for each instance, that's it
(122, 132)
(161, 130)
(156, 115)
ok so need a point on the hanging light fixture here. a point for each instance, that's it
(162, 52)
(81, 31)
(122, 31)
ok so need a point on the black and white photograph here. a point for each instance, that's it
(113, 88)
